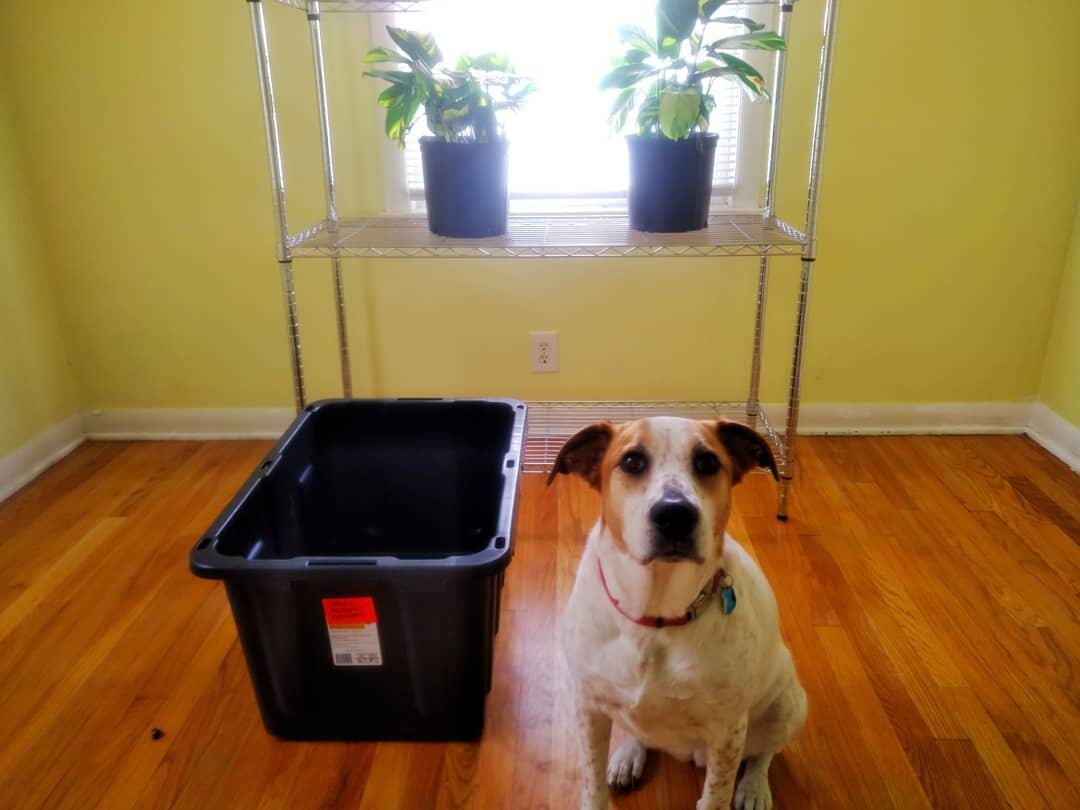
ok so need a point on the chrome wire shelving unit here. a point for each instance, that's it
(761, 234)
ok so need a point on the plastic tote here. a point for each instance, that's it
(364, 560)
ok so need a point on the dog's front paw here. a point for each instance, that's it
(626, 766)
(753, 791)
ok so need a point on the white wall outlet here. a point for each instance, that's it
(544, 350)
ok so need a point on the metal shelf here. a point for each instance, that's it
(550, 236)
(384, 6)
(550, 424)
(359, 6)
(758, 234)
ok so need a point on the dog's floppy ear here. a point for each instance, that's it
(583, 452)
(747, 448)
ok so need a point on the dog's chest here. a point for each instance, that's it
(660, 690)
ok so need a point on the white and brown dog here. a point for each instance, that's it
(671, 629)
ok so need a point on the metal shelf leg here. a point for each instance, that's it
(787, 466)
(817, 149)
(315, 25)
(277, 187)
(753, 402)
(295, 355)
(342, 331)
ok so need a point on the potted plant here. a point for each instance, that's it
(668, 78)
(465, 159)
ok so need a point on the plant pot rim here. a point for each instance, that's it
(437, 139)
(706, 136)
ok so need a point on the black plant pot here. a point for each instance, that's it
(465, 187)
(670, 182)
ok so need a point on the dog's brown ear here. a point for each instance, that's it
(747, 448)
(583, 452)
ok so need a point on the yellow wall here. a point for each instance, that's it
(36, 387)
(951, 177)
(1061, 377)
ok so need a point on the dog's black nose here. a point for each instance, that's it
(674, 517)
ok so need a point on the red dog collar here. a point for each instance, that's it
(720, 583)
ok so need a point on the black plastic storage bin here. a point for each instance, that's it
(364, 561)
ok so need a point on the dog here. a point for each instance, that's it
(671, 629)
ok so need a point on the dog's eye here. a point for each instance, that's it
(634, 463)
(706, 464)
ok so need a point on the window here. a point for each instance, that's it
(564, 155)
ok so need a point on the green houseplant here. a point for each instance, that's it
(667, 78)
(465, 159)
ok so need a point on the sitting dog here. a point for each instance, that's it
(671, 629)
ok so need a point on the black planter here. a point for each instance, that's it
(465, 187)
(670, 182)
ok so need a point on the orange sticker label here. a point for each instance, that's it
(353, 611)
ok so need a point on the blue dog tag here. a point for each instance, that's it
(727, 600)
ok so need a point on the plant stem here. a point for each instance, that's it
(697, 50)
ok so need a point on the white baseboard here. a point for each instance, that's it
(823, 419)
(1038, 421)
(188, 423)
(25, 463)
(1055, 434)
(899, 418)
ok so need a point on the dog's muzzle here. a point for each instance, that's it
(674, 520)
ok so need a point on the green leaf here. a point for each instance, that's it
(393, 96)
(708, 104)
(491, 61)
(679, 112)
(747, 74)
(412, 106)
(420, 47)
(759, 40)
(675, 20)
(712, 72)
(635, 55)
(636, 37)
(403, 77)
(754, 85)
(402, 104)
(706, 8)
(649, 115)
(381, 54)
(453, 116)
(753, 25)
(620, 110)
(626, 76)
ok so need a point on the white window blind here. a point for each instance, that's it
(562, 150)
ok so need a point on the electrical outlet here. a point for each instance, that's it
(544, 348)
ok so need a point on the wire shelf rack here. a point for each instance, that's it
(569, 234)
(360, 6)
(393, 6)
(550, 424)
(548, 236)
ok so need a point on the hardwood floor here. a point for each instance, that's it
(928, 588)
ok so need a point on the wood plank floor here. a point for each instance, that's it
(928, 588)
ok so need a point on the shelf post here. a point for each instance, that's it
(277, 187)
(314, 23)
(753, 402)
(817, 149)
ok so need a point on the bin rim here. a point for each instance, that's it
(207, 562)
